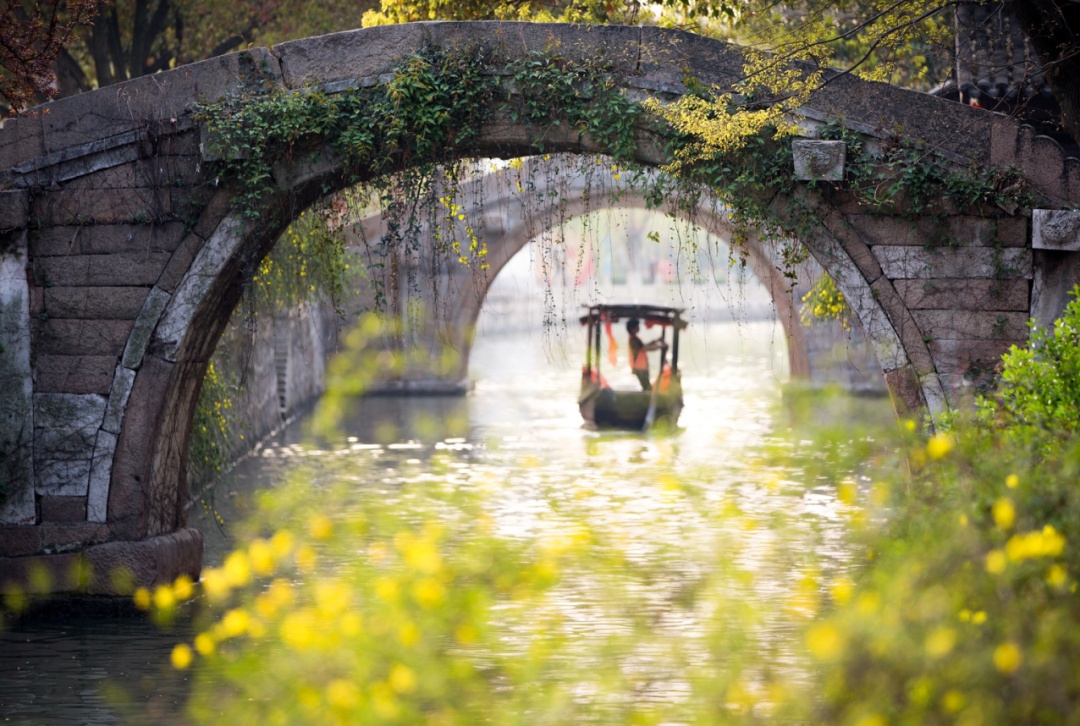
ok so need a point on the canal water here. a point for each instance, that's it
(519, 426)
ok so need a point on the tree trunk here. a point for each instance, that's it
(1053, 29)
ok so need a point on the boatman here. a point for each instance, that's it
(639, 359)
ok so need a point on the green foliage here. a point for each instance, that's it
(968, 611)
(430, 111)
(309, 263)
(1040, 395)
(559, 95)
(210, 447)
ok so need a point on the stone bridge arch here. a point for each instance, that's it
(507, 226)
(122, 258)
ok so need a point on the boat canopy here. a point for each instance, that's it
(650, 315)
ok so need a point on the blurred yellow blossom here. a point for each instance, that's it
(1040, 543)
(939, 445)
(181, 656)
(142, 598)
(995, 562)
(320, 526)
(402, 679)
(1012, 481)
(1007, 658)
(1004, 513)
(824, 641)
(237, 569)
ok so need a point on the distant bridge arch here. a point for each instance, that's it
(136, 259)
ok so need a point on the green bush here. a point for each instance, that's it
(968, 612)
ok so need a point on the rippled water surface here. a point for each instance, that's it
(520, 431)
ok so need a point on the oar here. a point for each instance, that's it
(650, 415)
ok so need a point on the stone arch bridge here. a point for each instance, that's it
(122, 259)
(440, 298)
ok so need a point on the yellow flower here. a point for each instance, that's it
(342, 694)
(235, 622)
(402, 679)
(142, 598)
(261, 555)
(939, 446)
(1056, 576)
(1004, 513)
(204, 644)
(321, 527)
(1012, 481)
(181, 656)
(824, 641)
(995, 562)
(183, 588)
(215, 584)
(1007, 658)
(164, 599)
(237, 569)
(940, 642)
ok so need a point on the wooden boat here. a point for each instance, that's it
(605, 407)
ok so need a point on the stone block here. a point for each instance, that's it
(1043, 162)
(97, 505)
(145, 563)
(971, 325)
(1055, 275)
(61, 537)
(120, 390)
(1055, 229)
(74, 373)
(971, 262)
(667, 58)
(103, 239)
(347, 55)
(215, 210)
(208, 263)
(122, 269)
(161, 98)
(905, 392)
(960, 356)
(937, 402)
(963, 294)
(902, 322)
(94, 303)
(180, 262)
(20, 140)
(161, 172)
(944, 126)
(109, 205)
(133, 464)
(819, 160)
(143, 328)
(63, 509)
(854, 245)
(19, 541)
(16, 389)
(65, 432)
(57, 570)
(14, 209)
(950, 232)
(83, 337)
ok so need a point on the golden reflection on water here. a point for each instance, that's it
(700, 534)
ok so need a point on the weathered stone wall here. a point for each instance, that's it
(134, 258)
(274, 365)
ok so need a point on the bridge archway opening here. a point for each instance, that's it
(499, 204)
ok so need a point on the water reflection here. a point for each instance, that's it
(660, 503)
